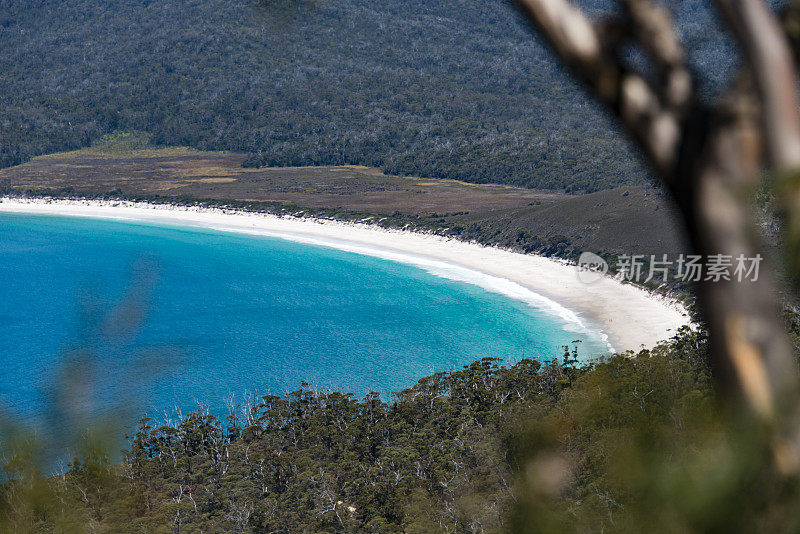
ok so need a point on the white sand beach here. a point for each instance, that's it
(629, 316)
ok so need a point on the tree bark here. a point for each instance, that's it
(710, 158)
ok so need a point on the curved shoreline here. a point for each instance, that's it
(627, 316)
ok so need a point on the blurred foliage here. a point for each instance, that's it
(55, 461)
(642, 446)
(633, 443)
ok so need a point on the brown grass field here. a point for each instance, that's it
(631, 220)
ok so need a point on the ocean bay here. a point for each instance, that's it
(214, 313)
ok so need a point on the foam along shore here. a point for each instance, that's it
(627, 316)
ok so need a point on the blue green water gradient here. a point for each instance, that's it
(205, 313)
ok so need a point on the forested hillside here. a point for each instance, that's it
(442, 457)
(435, 88)
(632, 444)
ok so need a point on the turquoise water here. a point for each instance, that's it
(159, 317)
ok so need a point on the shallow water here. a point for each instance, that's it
(159, 317)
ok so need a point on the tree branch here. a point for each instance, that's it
(592, 53)
(653, 28)
(765, 42)
(766, 50)
(709, 158)
(790, 20)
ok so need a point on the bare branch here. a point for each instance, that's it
(769, 58)
(748, 340)
(591, 52)
(791, 27)
(767, 46)
(709, 158)
(653, 28)
(572, 35)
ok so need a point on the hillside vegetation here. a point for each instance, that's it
(429, 88)
(632, 444)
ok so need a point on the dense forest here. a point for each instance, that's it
(433, 88)
(632, 443)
